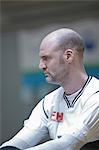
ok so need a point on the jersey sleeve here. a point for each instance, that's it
(64, 143)
(34, 130)
(90, 117)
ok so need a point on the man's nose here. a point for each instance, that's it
(42, 65)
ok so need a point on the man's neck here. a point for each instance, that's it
(74, 84)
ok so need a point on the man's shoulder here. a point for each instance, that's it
(54, 96)
(91, 91)
(52, 100)
(95, 79)
(94, 83)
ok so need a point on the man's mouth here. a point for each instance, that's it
(46, 74)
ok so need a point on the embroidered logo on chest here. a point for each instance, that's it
(57, 116)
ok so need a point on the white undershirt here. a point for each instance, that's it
(72, 96)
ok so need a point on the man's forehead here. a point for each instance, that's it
(44, 52)
(48, 47)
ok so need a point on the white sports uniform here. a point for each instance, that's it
(71, 121)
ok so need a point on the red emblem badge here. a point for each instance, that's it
(57, 116)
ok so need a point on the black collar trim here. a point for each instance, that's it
(78, 95)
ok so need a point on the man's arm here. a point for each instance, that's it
(84, 130)
(66, 142)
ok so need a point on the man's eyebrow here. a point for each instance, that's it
(44, 57)
(43, 54)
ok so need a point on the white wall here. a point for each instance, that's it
(29, 42)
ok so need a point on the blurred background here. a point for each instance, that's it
(23, 25)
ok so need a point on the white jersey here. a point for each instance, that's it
(73, 119)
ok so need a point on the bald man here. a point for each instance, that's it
(69, 115)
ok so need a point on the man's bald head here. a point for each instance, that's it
(61, 56)
(65, 39)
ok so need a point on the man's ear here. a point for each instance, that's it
(69, 55)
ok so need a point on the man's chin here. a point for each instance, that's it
(49, 80)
